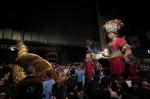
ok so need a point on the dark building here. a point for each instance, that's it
(58, 28)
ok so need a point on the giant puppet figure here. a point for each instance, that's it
(25, 60)
(120, 50)
(89, 61)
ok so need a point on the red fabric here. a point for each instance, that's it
(89, 68)
(133, 70)
(121, 41)
(117, 44)
(117, 65)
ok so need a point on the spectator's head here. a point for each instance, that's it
(48, 74)
(4, 94)
(72, 71)
(145, 84)
(96, 78)
(105, 82)
(30, 70)
(71, 87)
(96, 92)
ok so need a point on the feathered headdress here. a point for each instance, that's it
(113, 25)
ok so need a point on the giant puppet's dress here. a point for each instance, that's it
(117, 64)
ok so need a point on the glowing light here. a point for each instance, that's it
(12, 48)
(148, 51)
(105, 50)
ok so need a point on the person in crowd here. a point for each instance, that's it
(72, 90)
(90, 65)
(80, 77)
(47, 85)
(59, 89)
(30, 87)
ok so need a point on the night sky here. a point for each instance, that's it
(30, 14)
(135, 14)
(16, 14)
(34, 14)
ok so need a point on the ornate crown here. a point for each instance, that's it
(113, 25)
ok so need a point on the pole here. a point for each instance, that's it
(102, 42)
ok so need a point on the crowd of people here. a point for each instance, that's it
(102, 85)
